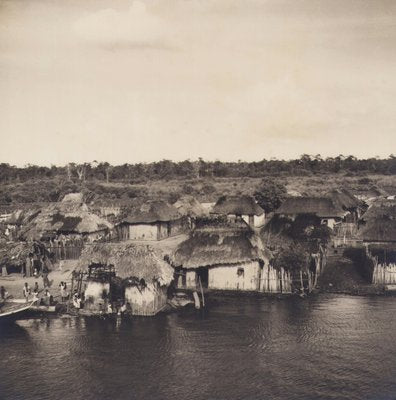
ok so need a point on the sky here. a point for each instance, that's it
(140, 81)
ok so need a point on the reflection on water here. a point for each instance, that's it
(326, 347)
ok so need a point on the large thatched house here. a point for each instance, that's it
(325, 208)
(240, 207)
(227, 257)
(67, 219)
(153, 220)
(145, 275)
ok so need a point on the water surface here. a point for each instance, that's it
(324, 347)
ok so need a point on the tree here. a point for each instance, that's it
(270, 194)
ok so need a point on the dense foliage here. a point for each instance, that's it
(270, 194)
(166, 169)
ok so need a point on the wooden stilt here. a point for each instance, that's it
(202, 293)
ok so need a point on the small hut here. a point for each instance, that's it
(240, 207)
(190, 208)
(144, 273)
(226, 257)
(378, 233)
(153, 220)
(329, 212)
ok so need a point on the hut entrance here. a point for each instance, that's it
(203, 274)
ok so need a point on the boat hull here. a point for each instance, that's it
(10, 312)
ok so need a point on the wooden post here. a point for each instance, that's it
(202, 293)
(71, 293)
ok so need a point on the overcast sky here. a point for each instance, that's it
(131, 81)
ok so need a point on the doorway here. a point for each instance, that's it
(203, 274)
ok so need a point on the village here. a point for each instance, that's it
(151, 256)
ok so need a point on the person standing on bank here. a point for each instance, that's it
(26, 291)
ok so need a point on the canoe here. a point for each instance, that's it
(11, 311)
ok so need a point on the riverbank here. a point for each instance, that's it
(14, 283)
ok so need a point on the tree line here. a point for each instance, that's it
(167, 169)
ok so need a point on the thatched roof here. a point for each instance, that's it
(130, 261)
(190, 206)
(321, 206)
(64, 218)
(237, 205)
(23, 216)
(345, 199)
(379, 222)
(218, 246)
(152, 211)
(73, 198)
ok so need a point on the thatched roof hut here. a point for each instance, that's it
(345, 199)
(190, 206)
(218, 245)
(379, 222)
(151, 212)
(237, 205)
(320, 206)
(64, 218)
(130, 261)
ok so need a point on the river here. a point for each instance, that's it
(323, 347)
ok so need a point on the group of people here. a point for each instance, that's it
(46, 299)
(37, 265)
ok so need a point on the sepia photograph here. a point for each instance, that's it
(198, 199)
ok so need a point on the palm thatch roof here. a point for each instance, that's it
(379, 222)
(64, 218)
(151, 212)
(130, 261)
(219, 245)
(344, 198)
(190, 206)
(237, 205)
(23, 216)
(15, 253)
(321, 206)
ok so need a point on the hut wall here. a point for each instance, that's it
(275, 281)
(123, 232)
(95, 293)
(191, 279)
(177, 227)
(259, 220)
(235, 277)
(143, 232)
(146, 301)
(163, 230)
